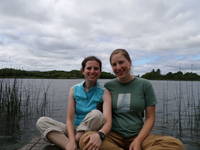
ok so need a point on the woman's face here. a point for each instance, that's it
(120, 66)
(91, 71)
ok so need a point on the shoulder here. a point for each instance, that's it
(112, 82)
(143, 81)
(78, 85)
(99, 88)
(78, 88)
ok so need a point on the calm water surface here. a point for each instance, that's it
(177, 114)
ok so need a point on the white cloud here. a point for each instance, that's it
(58, 34)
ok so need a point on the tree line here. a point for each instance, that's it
(54, 74)
(76, 74)
(156, 75)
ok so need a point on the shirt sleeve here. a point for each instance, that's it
(150, 97)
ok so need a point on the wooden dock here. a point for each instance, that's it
(38, 143)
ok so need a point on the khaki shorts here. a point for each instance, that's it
(93, 121)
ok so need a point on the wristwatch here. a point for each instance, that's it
(101, 135)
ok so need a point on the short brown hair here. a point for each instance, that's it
(90, 58)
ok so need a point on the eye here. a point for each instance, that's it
(121, 62)
(96, 68)
(113, 64)
(88, 68)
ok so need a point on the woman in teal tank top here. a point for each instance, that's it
(82, 113)
(85, 97)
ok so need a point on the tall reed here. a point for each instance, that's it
(19, 100)
(10, 97)
(179, 103)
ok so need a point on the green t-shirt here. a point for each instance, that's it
(129, 101)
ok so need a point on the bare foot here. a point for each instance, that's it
(78, 135)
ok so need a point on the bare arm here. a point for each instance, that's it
(94, 140)
(146, 129)
(148, 124)
(107, 112)
(70, 118)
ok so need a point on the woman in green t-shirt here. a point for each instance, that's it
(131, 97)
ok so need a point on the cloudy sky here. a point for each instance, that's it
(57, 34)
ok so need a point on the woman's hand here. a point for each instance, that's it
(135, 145)
(93, 142)
(146, 129)
(71, 145)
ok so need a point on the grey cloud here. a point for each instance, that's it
(59, 34)
(29, 10)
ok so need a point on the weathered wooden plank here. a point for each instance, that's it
(38, 143)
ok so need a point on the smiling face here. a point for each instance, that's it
(121, 66)
(91, 71)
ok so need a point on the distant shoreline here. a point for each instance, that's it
(76, 74)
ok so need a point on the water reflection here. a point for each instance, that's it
(178, 110)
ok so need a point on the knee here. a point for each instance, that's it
(98, 115)
(41, 122)
(93, 121)
(82, 141)
(174, 143)
(97, 120)
(96, 112)
(157, 142)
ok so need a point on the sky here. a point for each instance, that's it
(48, 35)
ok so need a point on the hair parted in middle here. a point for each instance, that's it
(90, 58)
(123, 52)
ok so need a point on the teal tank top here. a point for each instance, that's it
(86, 101)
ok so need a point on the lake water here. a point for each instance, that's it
(177, 114)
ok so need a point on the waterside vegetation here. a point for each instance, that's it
(76, 74)
(54, 74)
(156, 75)
(178, 112)
(19, 102)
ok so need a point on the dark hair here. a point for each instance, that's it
(90, 58)
(123, 52)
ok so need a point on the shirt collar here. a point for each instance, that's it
(94, 87)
